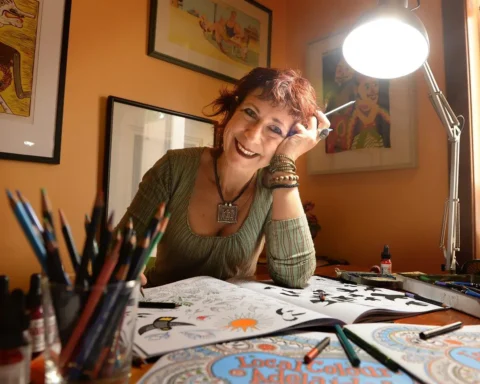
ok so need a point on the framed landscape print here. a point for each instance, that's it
(137, 135)
(377, 132)
(33, 56)
(221, 38)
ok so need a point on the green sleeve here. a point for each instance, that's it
(154, 188)
(290, 251)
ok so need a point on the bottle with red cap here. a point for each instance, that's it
(35, 310)
(386, 262)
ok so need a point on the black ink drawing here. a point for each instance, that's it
(162, 324)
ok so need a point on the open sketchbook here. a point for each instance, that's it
(451, 358)
(213, 311)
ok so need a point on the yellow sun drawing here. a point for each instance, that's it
(245, 323)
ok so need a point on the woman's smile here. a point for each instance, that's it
(244, 151)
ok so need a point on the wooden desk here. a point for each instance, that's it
(435, 318)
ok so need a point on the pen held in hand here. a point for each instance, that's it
(339, 108)
(425, 335)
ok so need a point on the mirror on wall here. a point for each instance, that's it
(138, 135)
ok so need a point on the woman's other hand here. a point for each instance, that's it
(303, 138)
(143, 279)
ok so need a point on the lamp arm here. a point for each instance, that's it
(451, 222)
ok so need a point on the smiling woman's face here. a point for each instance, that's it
(254, 132)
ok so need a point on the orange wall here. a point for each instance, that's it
(106, 56)
(359, 212)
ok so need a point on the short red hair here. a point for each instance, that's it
(282, 87)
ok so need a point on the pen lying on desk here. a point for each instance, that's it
(159, 305)
(425, 335)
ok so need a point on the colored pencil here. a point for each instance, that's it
(315, 351)
(55, 270)
(34, 240)
(91, 304)
(30, 212)
(347, 346)
(87, 255)
(425, 335)
(95, 330)
(67, 235)
(47, 209)
(152, 226)
(138, 257)
(105, 239)
(123, 265)
(372, 350)
(144, 257)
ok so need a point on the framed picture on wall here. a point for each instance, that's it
(137, 135)
(377, 132)
(221, 38)
(33, 59)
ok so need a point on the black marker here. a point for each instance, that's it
(159, 305)
(440, 330)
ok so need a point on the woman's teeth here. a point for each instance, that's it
(244, 150)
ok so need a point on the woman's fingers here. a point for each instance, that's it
(322, 121)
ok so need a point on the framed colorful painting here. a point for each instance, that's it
(33, 55)
(377, 132)
(221, 38)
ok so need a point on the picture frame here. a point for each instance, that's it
(378, 132)
(224, 39)
(34, 45)
(136, 136)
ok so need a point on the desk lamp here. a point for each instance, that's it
(390, 42)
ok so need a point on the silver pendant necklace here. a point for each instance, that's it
(227, 212)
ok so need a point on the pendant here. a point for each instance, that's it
(227, 213)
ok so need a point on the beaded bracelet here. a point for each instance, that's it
(275, 186)
(286, 178)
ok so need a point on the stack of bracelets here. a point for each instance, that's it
(285, 167)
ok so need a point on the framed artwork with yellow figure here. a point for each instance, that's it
(220, 38)
(377, 132)
(33, 54)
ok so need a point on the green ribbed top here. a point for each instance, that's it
(182, 254)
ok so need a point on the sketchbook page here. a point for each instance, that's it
(213, 311)
(347, 302)
(451, 358)
(274, 359)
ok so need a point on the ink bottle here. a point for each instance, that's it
(386, 261)
(35, 310)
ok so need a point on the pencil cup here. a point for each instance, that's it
(89, 332)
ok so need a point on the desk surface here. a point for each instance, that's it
(435, 318)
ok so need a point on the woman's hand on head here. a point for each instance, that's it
(303, 138)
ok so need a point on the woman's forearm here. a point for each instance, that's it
(286, 204)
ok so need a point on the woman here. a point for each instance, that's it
(225, 203)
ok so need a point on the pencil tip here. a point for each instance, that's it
(9, 194)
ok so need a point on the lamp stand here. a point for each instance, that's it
(451, 214)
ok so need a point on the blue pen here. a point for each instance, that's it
(32, 237)
(471, 293)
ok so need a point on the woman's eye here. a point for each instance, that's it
(250, 112)
(275, 129)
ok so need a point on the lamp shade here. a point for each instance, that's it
(386, 43)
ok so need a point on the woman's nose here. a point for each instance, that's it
(254, 131)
